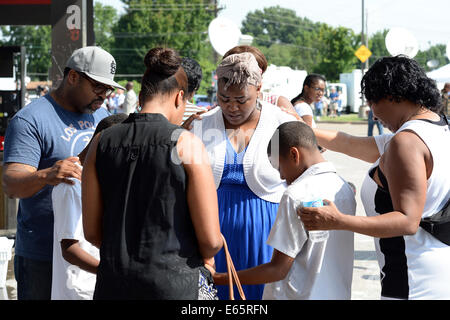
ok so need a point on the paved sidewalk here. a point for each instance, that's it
(10, 290)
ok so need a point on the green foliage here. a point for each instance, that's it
(338, 48)
(377, 46)
(136, 85)
(285, 38)
(299, 43)
(37, 42)
(436, 52)
(105, 18)
(352, 117)
(289, 40)
(272, 25)
(181, 25)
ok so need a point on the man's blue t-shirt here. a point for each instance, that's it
(39, 135)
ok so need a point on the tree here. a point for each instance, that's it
(283, 37)
(181, 25)
(300, 43)
(37, 42)
(272, 25)
(338, 48)
(377, 46)
(436, 52)
(105, 18)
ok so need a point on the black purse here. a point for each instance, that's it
(439, 224)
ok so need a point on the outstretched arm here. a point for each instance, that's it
(74, 254)
(275, 270)
(363, 148)
(23, 181)
(187, 124)
(407, 165)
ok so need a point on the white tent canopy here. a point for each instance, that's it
(440, 75)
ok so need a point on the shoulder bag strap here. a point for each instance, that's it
(232, 274)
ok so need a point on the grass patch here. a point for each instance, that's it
(352, 117)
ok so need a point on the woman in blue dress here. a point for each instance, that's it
(236, 135)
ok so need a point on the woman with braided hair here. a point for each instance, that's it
(148, 196)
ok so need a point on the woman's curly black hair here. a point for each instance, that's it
(400, 78)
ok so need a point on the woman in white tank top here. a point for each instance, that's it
(410, 179)
(313, 90)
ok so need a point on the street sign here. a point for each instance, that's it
(363, 53)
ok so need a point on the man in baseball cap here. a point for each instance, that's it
(41, 146)
(90, 68)
(96, 63)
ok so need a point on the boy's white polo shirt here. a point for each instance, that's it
(321, 270)
(69, 282)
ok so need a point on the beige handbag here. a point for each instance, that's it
(232, 274)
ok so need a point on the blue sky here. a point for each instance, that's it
(427, 20)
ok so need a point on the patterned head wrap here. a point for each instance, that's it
(241, 69)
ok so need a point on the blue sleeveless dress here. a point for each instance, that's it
(245, 221)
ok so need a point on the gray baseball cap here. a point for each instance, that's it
(96, 63)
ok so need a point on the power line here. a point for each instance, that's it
(169, 9)
(155, 35)
(286, 44)
(281, 23)
(168, 4)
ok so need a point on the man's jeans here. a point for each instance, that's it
(34, 278)
(371, 123)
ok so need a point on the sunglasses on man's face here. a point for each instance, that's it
(97, 87)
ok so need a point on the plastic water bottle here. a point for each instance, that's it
(316, 235)
(311, 200)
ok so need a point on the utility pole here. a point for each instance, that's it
(363, 41)
(83, 23)
(367, 37)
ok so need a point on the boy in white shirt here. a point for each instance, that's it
(75, 260)
(301, 268)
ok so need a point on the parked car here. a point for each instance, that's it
(202, 101)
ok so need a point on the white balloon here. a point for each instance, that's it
(401, 41)
(224, 34)
(432, 63)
